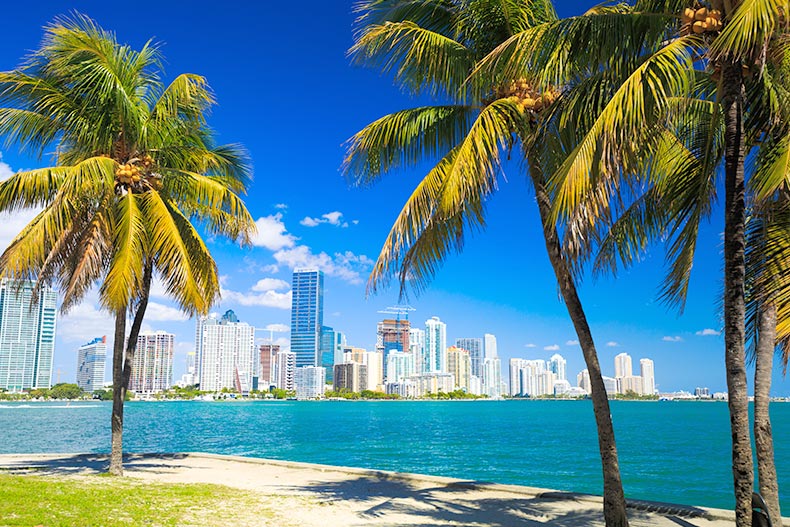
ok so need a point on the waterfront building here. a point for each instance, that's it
(152, 366)
(528, 378)
(433, 383)
(286, 370)
(27, 335)
(353, 354)
(417, 348)
(400, 366)
(267, 365)
(475, 385)
(475, 348)
(307, 316)
(310, 382)
(631, 383)
(91, 360)
(332, 344)
(375, 363)
(435, 353)
(610, 385)
(392, 335)
(226, 353)
(561, 387)
(647, 372)
(577, 392)
(351, 376)
(492, 377)
(459, 363)
(407, 389)
(489, 347)
(702, 393)
(557, 364)
(622, 366)
(583, 381)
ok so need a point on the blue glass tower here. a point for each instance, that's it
(307, 316)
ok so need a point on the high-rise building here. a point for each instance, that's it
(307, 316)
(530, 378)
(392, 335)
(400, 366)
(557, 364)
(459, 364)
(435, 353)
(27, 335)
(286, 370)
(152, 367)
(351, 376)
(622, 366)
(632, 383)
(267, 365)
(489, 346)
(492, 377)
(475, 348)
(310, 382)
(583, 381)
(91, 359)
(648, 376)
(417, 348)
(332, 344)
(226, 353)
(375, 363)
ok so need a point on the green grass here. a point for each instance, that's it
(94, 501)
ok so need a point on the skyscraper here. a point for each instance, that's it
(492, 377)
(91, 359)
(557, 364)
(417, 349)
(459, 364)
(392, 335)
(310, 382)
(475, 348)
(332, 343)
(583, 381)
(307, 316)
(489, 346)
(435, 352)
(648, 376)
(27, 335)
(286, 370)
(622, 366)
(400, 366)
(226, 353)
(152, 367)
(267, 365)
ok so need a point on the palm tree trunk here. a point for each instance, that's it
(122, 369)
(613, 496)
(734, 302)
(118, 395)
(763, 439)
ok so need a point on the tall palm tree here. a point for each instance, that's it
(632, 123)
(134, 166)
(432, 47)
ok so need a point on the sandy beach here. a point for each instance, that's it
(303, 494)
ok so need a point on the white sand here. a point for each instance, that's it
(308, 495)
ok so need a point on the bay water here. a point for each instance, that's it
(669, 451)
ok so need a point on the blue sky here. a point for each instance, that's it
(287, 91)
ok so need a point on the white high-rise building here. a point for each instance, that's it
(27, 335)
(286, 370)
(91, 360)
(475, 348)
(529, 378)
(400, 366)
(583, 381)
(489, 346)
(310, 382)
(459, 363)
(622, 366)
(610, 385)
(632, 383)
(492, 378)
(152, 367)
(435, 355)
(374, 360)
(417, 348)
(226, 353)
(648, 376)
(557, 364)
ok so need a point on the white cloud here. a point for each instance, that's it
(571, 342)
(530, 345)
(355, 222)
(612, 344)
(553, 347)
(708, 332)
(346, 266)
(263, 299)
(669, 338)
(5, 170)
(281, 206)
(270, 284)
(12, 223)
(277, 328)
(272, 233)
(157, 312)
(332, 218)
(84, 322)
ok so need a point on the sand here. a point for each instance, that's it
(303, 494)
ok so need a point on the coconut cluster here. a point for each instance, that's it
(137, 171)
(526, 97)
(701, 20)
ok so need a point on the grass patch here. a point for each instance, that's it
(94, 501)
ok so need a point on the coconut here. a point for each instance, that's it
(701, 14)
(699, 27)
(688, 15)
(528, 103)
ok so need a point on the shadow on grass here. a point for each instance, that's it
(90, 464)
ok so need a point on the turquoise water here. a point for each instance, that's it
(669, 451)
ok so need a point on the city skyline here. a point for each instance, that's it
(309, 217)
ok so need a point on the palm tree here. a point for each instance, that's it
(652, 90)
(432, 47)
(135, 164)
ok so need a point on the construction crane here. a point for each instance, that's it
(398, 311)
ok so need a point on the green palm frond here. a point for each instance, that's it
(748, 28)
